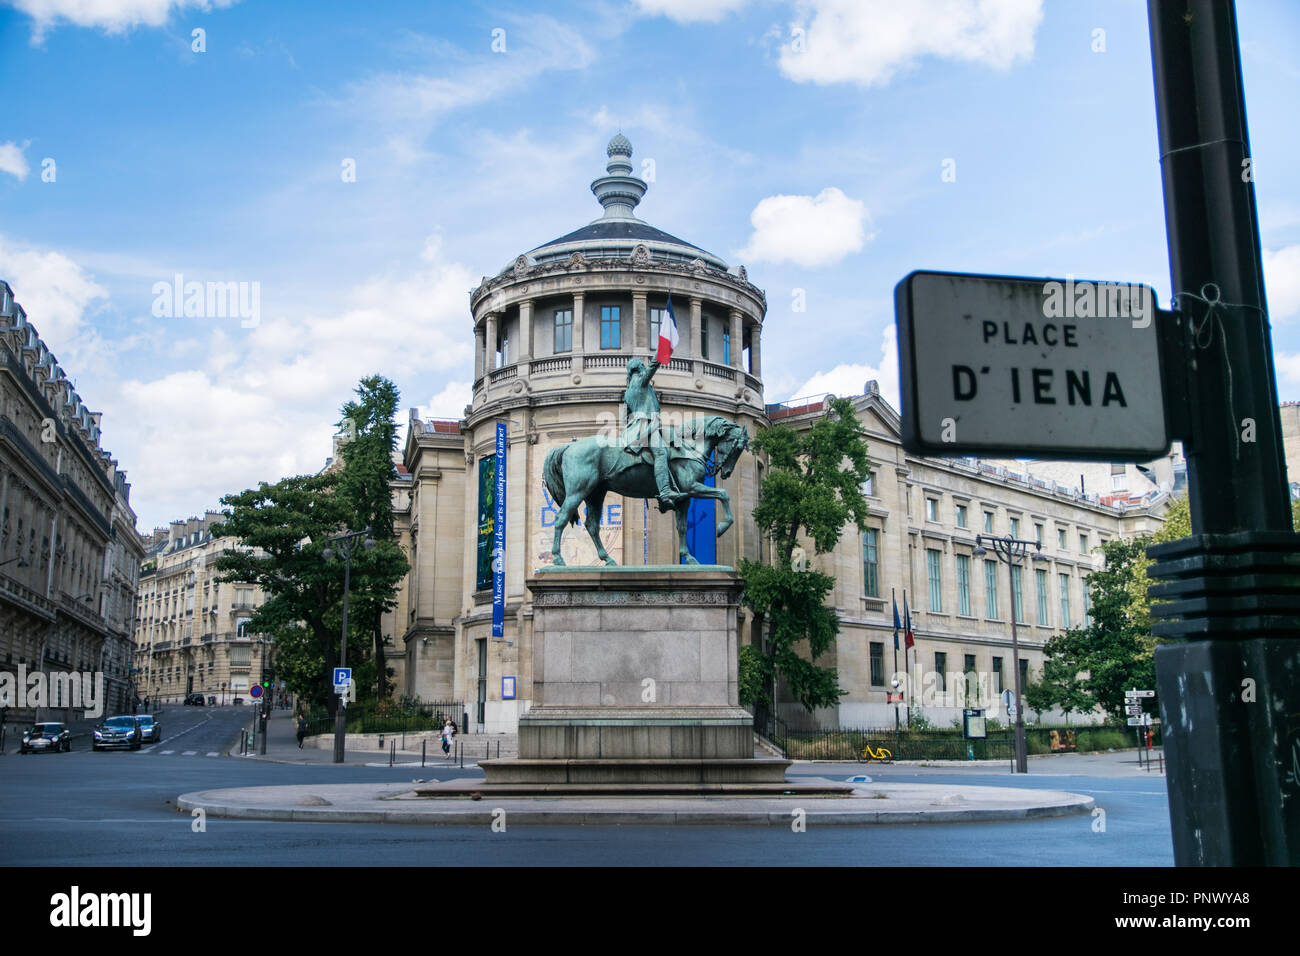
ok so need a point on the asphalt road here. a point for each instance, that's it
(117, 809)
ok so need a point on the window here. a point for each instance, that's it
(726, 347)
(997, 675)
(505, 349)
(563, 330)
(932, 558)
(656, 319)
(870, 564)
(1015, 527)
(961, 516)
(972, 681)
(1040, 587)
(1087, 604)
(931, 509)
(1060, 538)
(991, 589)
(1038, 534)
(877, 664)
(1083, 543)
(611, 327)
(963, 584)
(1017, 597)
(941, 668)
(988, 522)
(1024, 673)
(1063, 582)
(704, 337)
(869, 487)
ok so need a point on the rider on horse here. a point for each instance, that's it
(644, 427)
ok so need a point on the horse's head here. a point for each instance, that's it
(731, 439)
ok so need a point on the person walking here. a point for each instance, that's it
(447, 734)
(302, 730)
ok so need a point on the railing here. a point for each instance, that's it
(604, 361)
(753, 383)
(904, 744)
(503, 374)
(719, 371)
(681, 365)
(555, 366)
(387, 717)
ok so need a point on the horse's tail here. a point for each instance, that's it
(553, 477)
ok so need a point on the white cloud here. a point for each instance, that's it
(807, 230)
(1287, 365)
(1282, 282)
(867, 41)
(691, 11)
(55, 293)
(847, 380)
(12, 160)
(111, 16)
(450, 402)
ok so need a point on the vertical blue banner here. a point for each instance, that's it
(701, 527)
(499, 540)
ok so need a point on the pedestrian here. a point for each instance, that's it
(446, 738)
(302, 730)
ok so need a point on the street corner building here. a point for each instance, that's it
(554, 331)
(69, 552)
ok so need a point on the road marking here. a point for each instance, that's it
(213, 753)
(189, 753)
(165, 752)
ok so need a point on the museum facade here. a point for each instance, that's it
(554, 330)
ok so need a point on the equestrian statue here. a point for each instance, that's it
(648, 461)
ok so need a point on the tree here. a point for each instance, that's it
(813, 488)
(364, 482)
(281, 531)
(1062, 683)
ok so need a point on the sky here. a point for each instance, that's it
(355, 169)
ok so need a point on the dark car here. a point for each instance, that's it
(123, 731)
(194, 699)
(43, 737)
(150, 729)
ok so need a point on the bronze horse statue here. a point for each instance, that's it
(587, 469)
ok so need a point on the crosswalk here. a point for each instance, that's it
(184, 753)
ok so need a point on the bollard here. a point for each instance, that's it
(392, 752)
(424, 745)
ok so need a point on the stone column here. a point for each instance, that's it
(579, 300)
(480, 356)
(696, 303)
(639, 326)
(525, 331)
(737, 340)
(755, 368)
(490, 355)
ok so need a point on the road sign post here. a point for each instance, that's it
(1230, 591)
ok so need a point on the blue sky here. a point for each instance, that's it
(818, 169)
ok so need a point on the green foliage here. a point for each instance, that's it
(812, 489)
(278, 535)
(1037, 696)
(754, 674)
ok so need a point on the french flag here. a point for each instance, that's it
(668, 337)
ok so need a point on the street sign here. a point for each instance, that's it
(894, 697)
(1143, 721)
(1049, 368)
(255, 691)
(1139, 693)
(1008, 699)
(1134, 709)
(342, 676)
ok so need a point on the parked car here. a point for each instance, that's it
(237, 701)
(194, 699)
(150, 729)
(43, 737)
(123, 731)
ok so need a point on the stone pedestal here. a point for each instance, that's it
(634, 682)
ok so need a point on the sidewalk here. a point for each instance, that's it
(362, 749)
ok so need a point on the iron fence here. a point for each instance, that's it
(386, 717)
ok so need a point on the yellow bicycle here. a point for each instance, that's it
(883, 755)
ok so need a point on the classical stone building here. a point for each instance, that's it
(192, 631)
(554, 330)
(69, 555)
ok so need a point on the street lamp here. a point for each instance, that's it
(346, 543)
(1011, 551)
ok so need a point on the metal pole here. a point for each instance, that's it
(424, 744)
(1233, 582)
(1022, 759)
(340, 712)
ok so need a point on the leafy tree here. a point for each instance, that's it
(364, 482)
(1037, 696)
(753, 677)
(813, 488)
(1062, 683)
(282, 530)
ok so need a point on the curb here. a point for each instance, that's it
(484, 817)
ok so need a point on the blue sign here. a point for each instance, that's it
(342, 676)
(701, 527)
(507, 688)
(499, 540)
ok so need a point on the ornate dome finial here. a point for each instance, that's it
(618, 190)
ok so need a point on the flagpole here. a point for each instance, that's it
(907, 670)
(893, 600)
